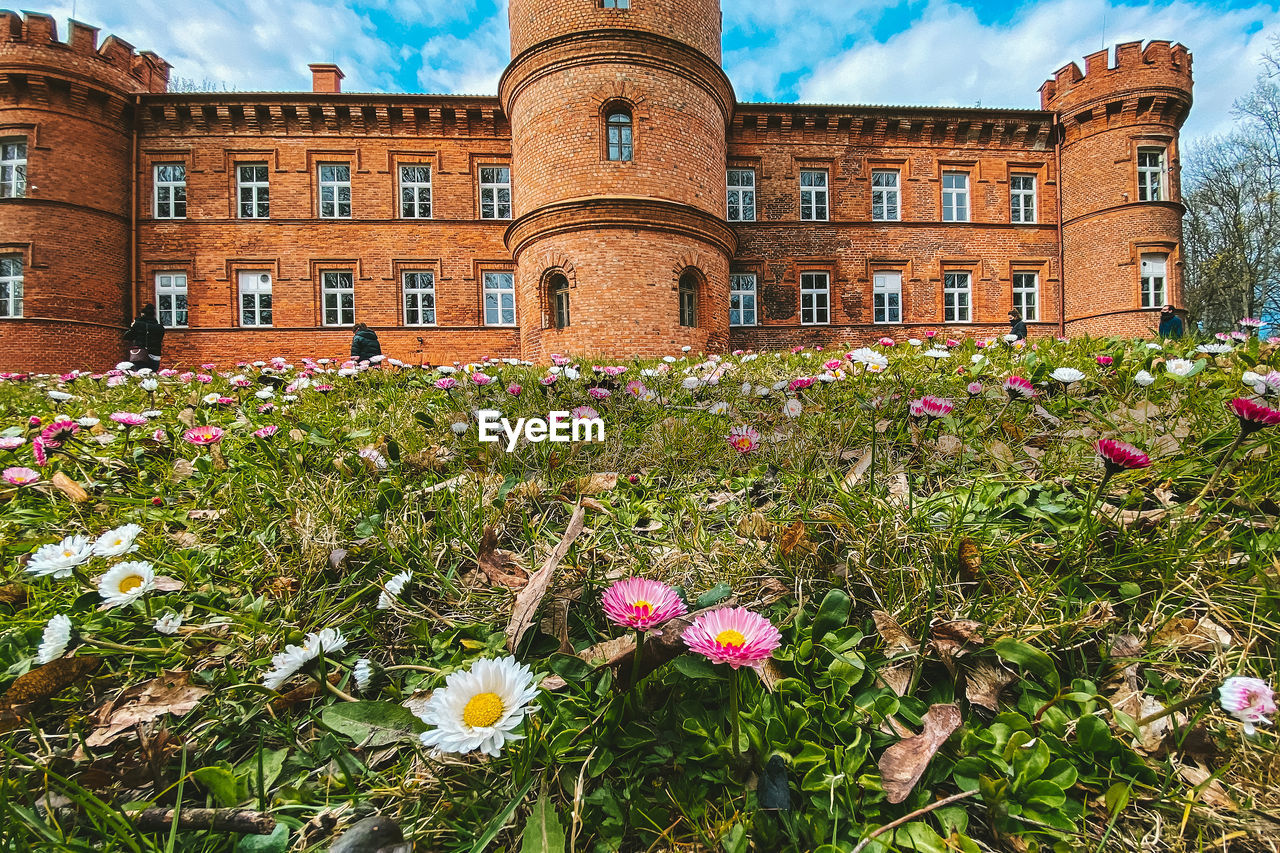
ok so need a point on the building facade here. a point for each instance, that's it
(614, 198)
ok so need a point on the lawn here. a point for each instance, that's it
(930, 596)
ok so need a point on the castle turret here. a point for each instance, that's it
(66, 118)
(618, 119)
(1121, 201)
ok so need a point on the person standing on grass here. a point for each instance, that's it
(1017, 325)
(1170, 323)
(364, 345)
(146, 335)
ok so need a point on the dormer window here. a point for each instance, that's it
(618, 132)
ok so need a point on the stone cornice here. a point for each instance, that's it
(646, 214)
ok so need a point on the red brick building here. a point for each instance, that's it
(614, 198)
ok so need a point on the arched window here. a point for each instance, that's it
(618, 131)
(558, 293)
(689, 299)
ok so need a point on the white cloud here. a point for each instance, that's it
(471, 64)
(949, 57)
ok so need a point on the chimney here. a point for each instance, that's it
(326, 78)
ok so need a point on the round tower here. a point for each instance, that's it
(1121, 202)
(618, 120)
(66, 118)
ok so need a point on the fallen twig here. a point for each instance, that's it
(945, 801)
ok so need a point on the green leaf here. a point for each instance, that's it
(921, 837)
(695, 667)
(373, 723)
(1093, 736)
(542, 832)
(276, 842)
(220, 782)
(272, 763)
(1116, 798)
(735, 840)
(569, 667)
(1029, 657)
(715, 595)
(832, 614)
(500, 819)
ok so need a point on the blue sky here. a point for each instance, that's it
(942, 52)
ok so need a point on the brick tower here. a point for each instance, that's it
(67, 109)
(618, 120)
(1121, 203)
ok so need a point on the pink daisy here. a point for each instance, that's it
(1119, 456)
(1253, 416)
(585, 413)
(614, 371)
(514, 390)
(733, 635)
(1105, 360)
(800, 384)
(1018, 388)
(266, 431)
(641, 604)
(203, 435)
(1249, 700)
(743, 439)
(20, 476)
(481, 379)
(128, 419)
(599, 393)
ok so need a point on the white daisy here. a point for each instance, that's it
(117, 542)
(393, 589)
(57, 633)
(937, 353)
(169, 623)
(1215, 349)
(88, 423)
(60, 396)
(58, 560)
(1179, 366)
(479, 709)
(720, 407)
(792, 408)
(689, 383)
(284, 664)
(1143, 378)
(149, 384)
(127, 582)
(867, 357)
(363, 674)
(1066, 375)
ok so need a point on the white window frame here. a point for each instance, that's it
(1022, 198)
(174, 190)
(491, 204)
(957, 296)
(1154, 279)
(741, 197)
(816, 285)
(1151, 175)
(500, 285)
(411, 283)
(258, 191)
(13, 167)
(886, 297)
(169, 287)
(814, 195)
(1026, 297)
(255, 284)
(415, 193)
(333, 187)
(688, 293)
(334, 284)
(955, 198)
(886, 195)
(743, 299)
(11, 274)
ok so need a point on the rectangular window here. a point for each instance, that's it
(254, 190)
(10, 285)
(495, 192)
(885, 205)
(955, 197)
(615, 4)
(689, 302)
(1153, 278)
(499, 299)
(813, 195)
(742, 300)
(171, 190)
(815, 299)
(956, 298)
(335, 191)
(1022, 195)
(742, 195)
(415, 192)
(171, 299)
(1150, 174)
(419, 299)
(886, 297)
(255, 299)
(339, 292)
(1026, 295)
(13, 168)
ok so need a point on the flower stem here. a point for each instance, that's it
(635, 670)
(1226, 457)
(734, 724)
(117, 647)
(333, 688)
(1180, 705)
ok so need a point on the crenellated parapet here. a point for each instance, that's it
(29, 45)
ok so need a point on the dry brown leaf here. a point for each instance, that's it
(970, 556)
(857, 472)
(1203, 635)
(755, 526)
(896, 678)
(13, 594)
(899, 489)
(594, 484)
(69, 487)
(164, 583)
(1126, 646)
(957, 631)
(499, 566)
(49, 680)
(308, 691)
(984, 682)
(949, 445)
(556, 623)
(528, 599)
(791, 538)
(182, 469)
(1098, 613)
(184, 539)
(204, 514)
(903, 763)
(1001, 452)
(891, 632)
(1130, 517)
(595, 505)
(172, 693)
(187, 417)
(1138, 705)
(719, 499)
(770, 674)
(609, 652)
(1212, 794)
(450, 485)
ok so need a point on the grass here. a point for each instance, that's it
(990, 515)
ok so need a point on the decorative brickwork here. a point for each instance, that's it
(520, 227)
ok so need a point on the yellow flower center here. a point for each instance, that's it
(131, 583)
(642, 607)
(67, 552)
(483, 710)
(731, 639)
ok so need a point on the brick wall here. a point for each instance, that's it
(693, 22)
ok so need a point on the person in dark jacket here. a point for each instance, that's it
(1017, 325)
(146, 335)
(1170, 323)
(365, 346)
